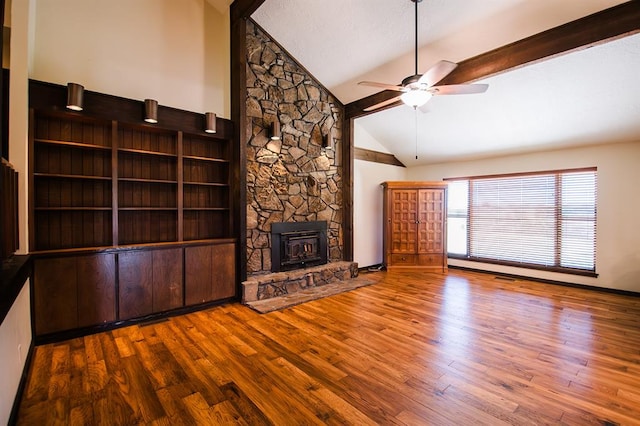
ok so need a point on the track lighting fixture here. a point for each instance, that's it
(210, 122)
(150, 110)
(75, 96)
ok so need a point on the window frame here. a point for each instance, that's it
(554, 268)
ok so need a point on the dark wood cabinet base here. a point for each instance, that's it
(79, 292)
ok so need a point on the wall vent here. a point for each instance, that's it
(504, 278)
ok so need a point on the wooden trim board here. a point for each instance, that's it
(376, 157)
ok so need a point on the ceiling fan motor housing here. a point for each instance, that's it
(412, 78)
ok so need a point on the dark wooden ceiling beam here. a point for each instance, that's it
(242, 9)
(616, 22)
(376, 157)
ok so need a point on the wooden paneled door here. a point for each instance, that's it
(415, 224)
(430, 235)
(404, 224)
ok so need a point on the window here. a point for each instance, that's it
(457, 217)
(541, 220)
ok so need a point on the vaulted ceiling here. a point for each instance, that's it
(584, 97)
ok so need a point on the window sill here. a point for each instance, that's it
(556, 269)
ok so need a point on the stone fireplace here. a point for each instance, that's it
(297, 179)
(296, 245)
(293, 181)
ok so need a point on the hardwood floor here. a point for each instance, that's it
(415, 348)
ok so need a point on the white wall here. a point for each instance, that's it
(368, 209)
(618, 233)
(15, 339)
(174, 51)
(367, 200)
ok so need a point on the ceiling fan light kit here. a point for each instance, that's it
(415, 98)
(418, 88)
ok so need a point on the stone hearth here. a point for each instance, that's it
(267, 286)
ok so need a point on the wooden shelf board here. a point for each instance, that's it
(128, 179)
(146, 152)
(144, 209)
(63, 176)
(73, 208)
(206, 183)
(73, 144)
(187, 209)
(212, 159)
(132, 246)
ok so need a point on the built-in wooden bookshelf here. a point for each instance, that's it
(206, 187)
(102, 183)
(147, 185)
(72, 183)
(128, 219)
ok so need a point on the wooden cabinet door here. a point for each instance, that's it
(96, 289)
(150, 282)
(224, 271)
(404, 208)
(197, 282)
(167, 279)
(55, 294)
(430, 235)
(74, 291)
(135, 270)
(210, 273)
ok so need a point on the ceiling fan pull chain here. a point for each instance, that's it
(415, 115)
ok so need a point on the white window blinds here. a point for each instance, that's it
(541, 220)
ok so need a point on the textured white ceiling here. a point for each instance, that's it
(557, 103)
(587, 97)
(343, 41)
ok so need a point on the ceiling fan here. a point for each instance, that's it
(417, 89)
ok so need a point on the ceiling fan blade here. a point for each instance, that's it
(459, 89)
(381, 104)
(381, 85)
(437, 73)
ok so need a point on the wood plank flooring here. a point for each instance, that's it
(414, 348)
